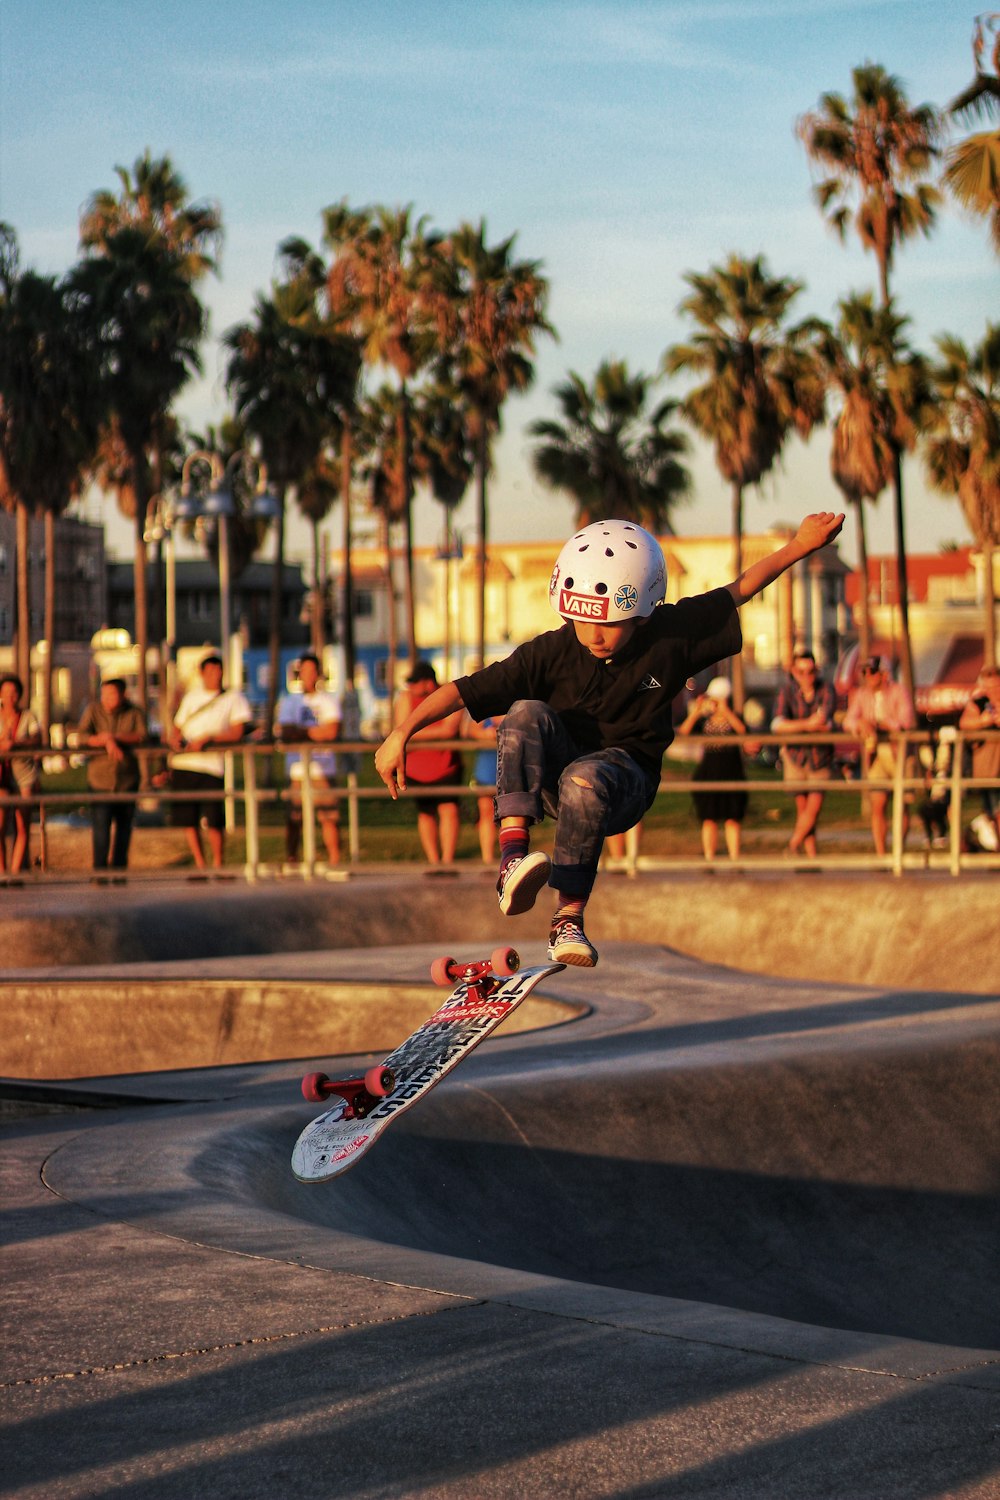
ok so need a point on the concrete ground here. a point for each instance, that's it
(717, 1234)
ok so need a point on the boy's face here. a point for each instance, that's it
(601, 640)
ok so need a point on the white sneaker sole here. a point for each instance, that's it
(580, 958)
(531, 874)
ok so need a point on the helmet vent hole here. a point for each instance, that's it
(568, 584)
(631, 544)
(609, 552)
(600, 588)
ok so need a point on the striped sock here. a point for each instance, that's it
(514, 844)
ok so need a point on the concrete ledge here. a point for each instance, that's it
(921, 932)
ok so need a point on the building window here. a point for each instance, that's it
(364, 604)
(200, 605)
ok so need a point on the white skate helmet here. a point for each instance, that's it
(611, 571)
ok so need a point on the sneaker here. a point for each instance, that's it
(568, 943)
(520, 881)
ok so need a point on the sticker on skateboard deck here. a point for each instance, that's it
(487, 991)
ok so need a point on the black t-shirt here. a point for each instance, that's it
(626, 700)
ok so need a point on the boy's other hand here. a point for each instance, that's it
(819, 529)
(390, 762)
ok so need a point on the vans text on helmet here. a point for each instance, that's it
(611, 571)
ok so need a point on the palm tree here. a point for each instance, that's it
(373, 288)
(303, 266)
(612, 455)
(880, 384)
(442, 460)
(962, 452)
(759, 379)
(51, 408)
(877, 150)
(288, 381)
(153, 197)
(146, 248)
(488, 309)
(972, 169)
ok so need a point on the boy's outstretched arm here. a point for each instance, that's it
(815, 532)
(390, 757)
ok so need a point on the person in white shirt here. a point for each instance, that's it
(312, 716)
(207, 715)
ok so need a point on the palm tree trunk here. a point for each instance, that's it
(406, 511)
(739, 692)
(274, 625)
(864, 607)
(23, 548)
(390, 599)
(50, 622)
(482, 532)
(316, 631)
(139, 573)
(347, 629)
(902, 579)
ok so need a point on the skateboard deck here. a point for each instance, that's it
(482, 999)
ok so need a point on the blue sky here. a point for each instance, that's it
(624, 143)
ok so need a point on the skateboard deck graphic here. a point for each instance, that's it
(339, 1137)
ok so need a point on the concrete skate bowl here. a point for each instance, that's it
(854, 1190)
(81, 1029)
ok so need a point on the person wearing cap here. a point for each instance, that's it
(710, 714)
(437, 815)
(311, 716)
(878, 707)
(588, 708)
(208, 715)
(806, 705)
(112, 726)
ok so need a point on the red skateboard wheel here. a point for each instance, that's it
(505, 961)
(443, 971)
(314, 1087)
(380, 1081)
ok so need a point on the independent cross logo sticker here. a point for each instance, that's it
(648, 683)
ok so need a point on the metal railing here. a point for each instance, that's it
(255, 795)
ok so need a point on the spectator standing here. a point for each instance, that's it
(983, 712)
(18, 773)
(711, 715)
(207, 715)
(805, 705)
(437, 816)
(112, 725)
(312, 716)
(879, 707)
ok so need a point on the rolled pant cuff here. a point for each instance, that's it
(519, 805)
(572, 880)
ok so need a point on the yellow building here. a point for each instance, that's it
(805, 607)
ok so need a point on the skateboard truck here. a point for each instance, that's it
(482, 975)
(361, 1094)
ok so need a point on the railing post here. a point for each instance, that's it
(353, 839)
(898, 804)
(308, 812)
(251, 813)
(955, 805)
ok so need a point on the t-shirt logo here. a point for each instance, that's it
(582, 606)
(648, 683)
(626, 598)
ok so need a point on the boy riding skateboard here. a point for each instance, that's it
(588, 707)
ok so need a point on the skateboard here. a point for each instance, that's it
(486, 992)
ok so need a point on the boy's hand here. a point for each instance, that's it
(819, 529)
(390, 762)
